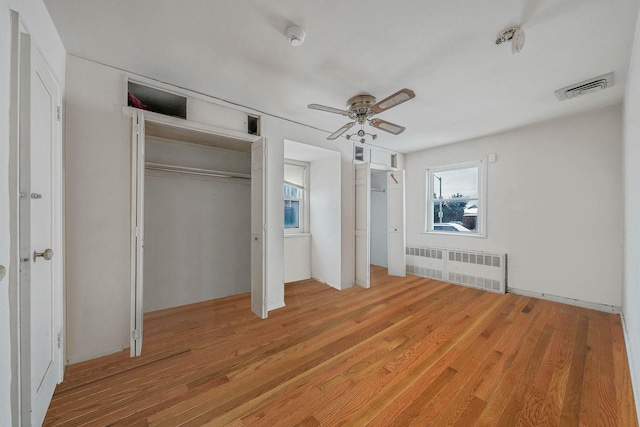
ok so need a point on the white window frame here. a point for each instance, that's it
(304, 200)
(430, 201)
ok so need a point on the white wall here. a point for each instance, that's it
(379, 228)
(554, 204)
(98, 159)
(35, 18)
(631, 288)
(98, 169)
(297, 257)
(325, 212)
(197, 240)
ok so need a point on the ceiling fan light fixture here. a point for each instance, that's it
(362, 107)
(295, 35)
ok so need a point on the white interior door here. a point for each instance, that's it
(258, 228)
(40, 248)
(363, 223)
(397, 258)
(137, 234)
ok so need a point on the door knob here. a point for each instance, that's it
(47, 255)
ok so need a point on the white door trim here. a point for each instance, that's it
(14, 226)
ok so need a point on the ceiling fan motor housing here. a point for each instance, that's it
(359, 107)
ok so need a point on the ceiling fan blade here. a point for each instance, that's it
(387, 126)
(342, 130)
(328, 109)
(391, 101)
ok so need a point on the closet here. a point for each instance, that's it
(197, 215)
(198, 226)
(379, 214)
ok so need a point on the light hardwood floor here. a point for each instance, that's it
(408, 351)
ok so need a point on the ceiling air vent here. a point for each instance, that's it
(586, 87)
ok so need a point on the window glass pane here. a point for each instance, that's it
(456, 183)
(291, 214)
(294, 174)
(291, 192)
(450, 215)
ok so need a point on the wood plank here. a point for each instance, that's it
(407, 350)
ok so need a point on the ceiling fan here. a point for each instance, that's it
(362, 107)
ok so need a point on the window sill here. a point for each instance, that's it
(450, 233)
(287, 235)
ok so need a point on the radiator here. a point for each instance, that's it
(469, 268)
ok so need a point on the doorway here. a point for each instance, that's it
(148, 125)
(394, 226)
(312, 233)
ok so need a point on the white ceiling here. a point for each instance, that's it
(466, 86)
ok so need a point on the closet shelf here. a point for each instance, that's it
(194, 171)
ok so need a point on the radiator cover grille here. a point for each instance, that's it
(469, 268)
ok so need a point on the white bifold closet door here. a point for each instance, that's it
(397, 258)
(258, 229)
(363, 223)
(137, 231)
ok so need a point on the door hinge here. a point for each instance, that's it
(137, 129)
(59, 339)
(136, 334)
(59, 114)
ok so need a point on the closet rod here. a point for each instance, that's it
(194, 171)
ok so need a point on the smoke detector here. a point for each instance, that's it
(586, 87)
(516, 35)
(295, 36)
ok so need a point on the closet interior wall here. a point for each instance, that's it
(197, 225)
(379, 233)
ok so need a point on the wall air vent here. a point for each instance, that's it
(586, 87)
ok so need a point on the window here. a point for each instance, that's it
(455, 199)
(295, 196)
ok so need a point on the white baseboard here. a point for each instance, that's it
(82, 358)
(317, 279)
(565, 300)
(634, 383)
(275, 306)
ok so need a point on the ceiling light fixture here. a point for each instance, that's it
(295, 35)
(362, 107)
(516, 35)
(362, 134)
